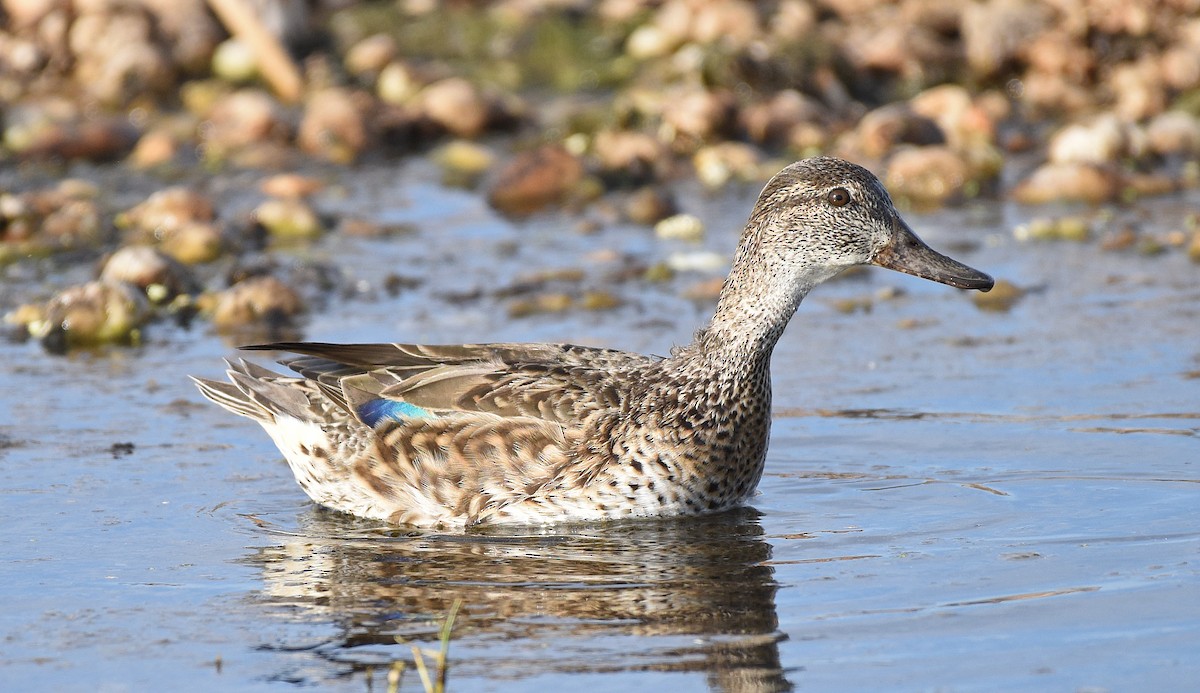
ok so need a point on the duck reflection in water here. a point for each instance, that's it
(691, 595)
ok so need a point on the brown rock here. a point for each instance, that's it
(116, 56)
(887, 126)
(1103, 140)
(1174, 132)
(92, 314)
(774, 120)
(1139, 90)
(257, 300)
(630, 156)
(534, 180)
(145, 267)
(456, 105)
(649, 205)
(1069, 181)
(700, 115)
(166, 210)
(290, 185)
(994, 31)
(242, 118)
(194, 242)
(963, 122)
(371, 54)
(154, 148)
(334, 126)
(932, 174)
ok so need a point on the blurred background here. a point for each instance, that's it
(975, 492)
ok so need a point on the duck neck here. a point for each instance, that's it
(758, 299)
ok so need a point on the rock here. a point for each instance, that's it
(290, 185)
(257, 301)
(732, 23)
(334, 126)
(793, 21)
(1139, 89)
(161, 277)
(995, 31)
(463, 162)
(370, 55)
(116, 55)
(884, 128)
(534, 180)
(1072, 228)
(1180, 69)
(650, 41)
(680, 227)
(963, 122)
(626, 156)
(396, 84)
(927, 174)
(550, 302)
(717, 164)
(1050, 93)
(599, 300)
(240, 119)
(705, 291)
(165, 211)
(1103, 140)
(649, 204)
(456, 105)
(1003, 296)
(1174, 132)
(699, 115)
(155, 148)
(91, 314)
(697, 261)
(774, 120)
(1054, 182)
(55, 130)
(193, 242)
(234, 61)
(288, 218)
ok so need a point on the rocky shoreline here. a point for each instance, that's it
(542, 104)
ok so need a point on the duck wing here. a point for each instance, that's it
(556, 383)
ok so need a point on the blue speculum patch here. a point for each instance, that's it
(376, 410)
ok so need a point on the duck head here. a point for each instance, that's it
(822, 215)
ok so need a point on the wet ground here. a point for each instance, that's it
(955, 499)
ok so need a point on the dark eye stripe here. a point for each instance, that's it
(839, 197)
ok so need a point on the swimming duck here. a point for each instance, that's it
(460, 435)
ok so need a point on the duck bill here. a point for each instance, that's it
(908, 254)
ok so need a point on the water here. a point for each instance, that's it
(955, 500)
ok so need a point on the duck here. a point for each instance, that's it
(476, 434)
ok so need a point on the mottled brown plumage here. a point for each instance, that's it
(468, 434)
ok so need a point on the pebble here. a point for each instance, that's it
(288, 218)
(931, 174)
(91, 314)
(371, 54)
(1003, 296)
(145, 267)
(534, 180)
(290, 185)
(257, 301)
(456, 105)
(680, 227)
(334, 127)
(234, 61)
(464, 162)
(650, 205)
(1053, 182)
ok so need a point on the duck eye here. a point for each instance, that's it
(839, 197)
